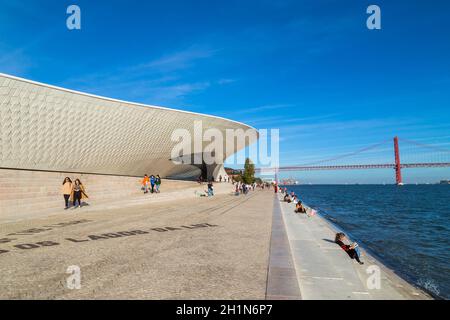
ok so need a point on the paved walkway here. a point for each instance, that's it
(225, 247)
(281, 278)
(324, 270)
(194, 248)
(173, 191)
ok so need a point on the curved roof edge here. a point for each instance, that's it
(120, 101)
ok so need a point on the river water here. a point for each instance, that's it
(407, 227)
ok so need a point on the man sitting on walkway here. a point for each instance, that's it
(210, 189)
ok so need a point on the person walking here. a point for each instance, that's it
(78, 193)
(152, 183)
(66, 191)
(158, 183)
(145, 183)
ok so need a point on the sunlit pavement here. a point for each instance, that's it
(197, 248)
(324, 271)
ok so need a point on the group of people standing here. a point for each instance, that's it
(224, 179)
(73, 192)
(200, 179)
(244, 188)
(151, 183)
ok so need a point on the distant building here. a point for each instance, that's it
(268, 180)
(233, 172)
(289, 181)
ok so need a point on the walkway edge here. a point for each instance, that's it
(392, 285)
(282, 283)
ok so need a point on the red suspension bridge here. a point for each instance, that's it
(440, 158)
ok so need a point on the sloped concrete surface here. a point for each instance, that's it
(325, 272)
(185, 248)
(281, 279)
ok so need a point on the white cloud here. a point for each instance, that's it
(225, 81)
(176, 61)
(159, 81)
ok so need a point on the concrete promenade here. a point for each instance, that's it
(181, 248)
(121, 192)
(325, 271)
(178, 245)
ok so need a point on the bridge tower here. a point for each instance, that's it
(398, 166)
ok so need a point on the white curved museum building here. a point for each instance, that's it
(47, 131)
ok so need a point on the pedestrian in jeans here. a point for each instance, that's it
(78, 193)
(66, 191)
(158, 183)
(210, 189)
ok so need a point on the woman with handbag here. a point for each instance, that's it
(78, 193)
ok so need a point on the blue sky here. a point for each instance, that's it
(310, 68)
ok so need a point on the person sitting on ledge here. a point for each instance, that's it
(351, 249)
(299, 208)
(287, 198)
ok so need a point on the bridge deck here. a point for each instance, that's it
(356, 167)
